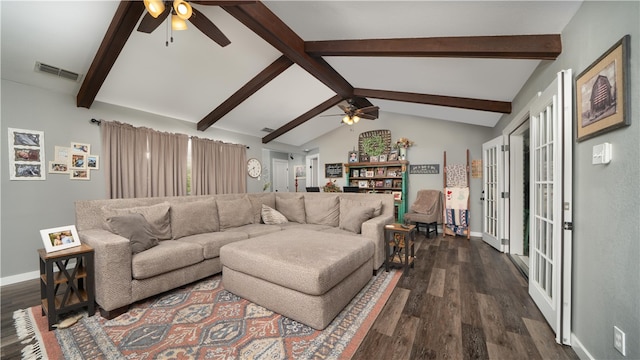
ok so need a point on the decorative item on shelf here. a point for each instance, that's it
(331, 187)
(402, 144)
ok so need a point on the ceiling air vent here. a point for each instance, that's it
(53, 70)
(269, 130)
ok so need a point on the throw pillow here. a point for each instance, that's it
(355, 217)
(194, 217)
(135, 228)
(234, 213)
(322, 210)
(257, 200)
(157, 215)
(347, 204)
(292, 207)
(272, 216)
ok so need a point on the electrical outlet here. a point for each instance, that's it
(619, 340)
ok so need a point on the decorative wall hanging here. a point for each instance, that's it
(300, 172)
(75, 160)
(333, 170)
(373, 143)
(602, 93)
(26, 155)
(424, 169)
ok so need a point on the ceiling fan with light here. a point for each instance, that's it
(353, 114)
(180, 10)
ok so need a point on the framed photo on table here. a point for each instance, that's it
(603, 93)
(60, 238)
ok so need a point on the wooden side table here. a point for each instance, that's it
(399, 246)
(76, 285)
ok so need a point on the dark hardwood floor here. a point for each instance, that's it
(463, 300)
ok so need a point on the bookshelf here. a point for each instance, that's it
(381, 177)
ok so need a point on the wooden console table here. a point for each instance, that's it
(76, 285)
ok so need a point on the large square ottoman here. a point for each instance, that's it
(308, 276)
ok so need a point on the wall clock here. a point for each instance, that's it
(254, 168)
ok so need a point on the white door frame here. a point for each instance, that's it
(515, 186)
(313, 174)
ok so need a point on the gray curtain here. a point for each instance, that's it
(141, 162)
(217, 168)
(126, 166)
(168, 161)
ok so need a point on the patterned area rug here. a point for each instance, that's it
(204, 321)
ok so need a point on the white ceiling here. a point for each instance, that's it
(193, 75)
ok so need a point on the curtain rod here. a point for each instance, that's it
(97, 122)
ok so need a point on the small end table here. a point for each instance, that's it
(77, 283)
(399, 246)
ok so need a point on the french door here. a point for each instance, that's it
(493, 181)
(550, 203)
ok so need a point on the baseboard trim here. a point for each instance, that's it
(13, 279)
(579, 349)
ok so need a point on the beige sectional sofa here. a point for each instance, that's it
(193, 229)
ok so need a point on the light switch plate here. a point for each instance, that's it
(601, 154)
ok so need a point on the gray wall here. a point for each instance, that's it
(606, 239)
(431, 137)
(28, 206)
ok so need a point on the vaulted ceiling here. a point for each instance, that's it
(291, 62)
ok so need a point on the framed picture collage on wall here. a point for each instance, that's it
(75, 160)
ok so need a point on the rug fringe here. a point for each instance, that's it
(26, 331)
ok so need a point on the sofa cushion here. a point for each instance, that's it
(213, 241)
(291, 207)
(194, 217)
(272, 216)
(257, 200)
(167, 256)
(314, 227)
(322, 210)
(346, 204)
(307, 261)
(135, 228)
(157, 215)
(234, 213)
(354, 218)
(255, 230)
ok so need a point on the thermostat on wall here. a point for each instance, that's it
(601, 154)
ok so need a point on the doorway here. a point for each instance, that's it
(519, 209)
(280, 175)
(313, 170)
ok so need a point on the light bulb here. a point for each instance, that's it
(183, 9)
(154, 7)
(177, 23)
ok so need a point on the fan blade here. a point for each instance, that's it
(367, 109)
(149, 23)
(331, 115)
(366, 116)
(344, 108)
(208, 28)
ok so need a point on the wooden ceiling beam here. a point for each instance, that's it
(264, 77)
(122, 25)
(503, 107)
(537, 47)
(258, 18)
(303, 118)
